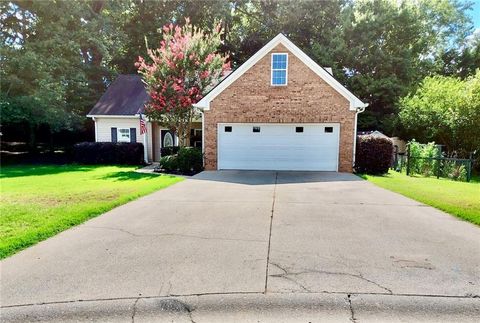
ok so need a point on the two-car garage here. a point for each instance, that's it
(260, 146)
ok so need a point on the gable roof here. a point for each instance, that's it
(125, 96)
(355, 102)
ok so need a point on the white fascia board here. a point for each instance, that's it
(112, 116)
(355, 102)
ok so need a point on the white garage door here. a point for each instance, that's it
(278, 146)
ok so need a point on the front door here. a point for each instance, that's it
(167, 139)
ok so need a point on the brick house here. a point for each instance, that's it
(278, 111)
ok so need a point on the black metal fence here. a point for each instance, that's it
(439, 165)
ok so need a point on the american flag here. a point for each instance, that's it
(143, 125)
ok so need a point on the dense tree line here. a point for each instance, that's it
(59, 56)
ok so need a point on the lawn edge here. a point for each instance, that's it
(437, 207)
(48, 232)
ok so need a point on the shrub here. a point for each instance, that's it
(167, 151)
(454, 170)
(373, 155)
(190, 159)
(419, 164)
(169, 163)
(108, 153)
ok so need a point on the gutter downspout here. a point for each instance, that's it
(96, 128)
(203, 136)
(357, 112)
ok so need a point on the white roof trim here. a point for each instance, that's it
(355, 102)
(117, 116)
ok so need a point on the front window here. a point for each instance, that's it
(123, 135)
(279, 69)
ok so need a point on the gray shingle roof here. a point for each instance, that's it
(125, 96)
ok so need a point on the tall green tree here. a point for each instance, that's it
(391, 46)
(53, 67)
(446, 110)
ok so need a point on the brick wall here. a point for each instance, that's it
(306, 99)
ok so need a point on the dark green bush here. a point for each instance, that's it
(190, 159)
(169, 163)
(373, 155)
(108, 153)
(167, 151)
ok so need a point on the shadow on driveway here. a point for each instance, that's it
(274, 177)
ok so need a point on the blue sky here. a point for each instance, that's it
(475, 14)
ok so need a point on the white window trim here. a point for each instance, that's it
(278, 69)
(119, 137)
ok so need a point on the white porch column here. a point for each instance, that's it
(145, 144)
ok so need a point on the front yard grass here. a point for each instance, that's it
(460, 199)
(37, 202)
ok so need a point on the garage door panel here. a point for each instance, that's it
(278, 147)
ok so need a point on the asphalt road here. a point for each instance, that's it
(253, 246)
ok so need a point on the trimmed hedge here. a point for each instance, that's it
(124, 153)
(373, 155)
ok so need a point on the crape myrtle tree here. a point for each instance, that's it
(179, 72)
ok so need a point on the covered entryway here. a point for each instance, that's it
(257, 146)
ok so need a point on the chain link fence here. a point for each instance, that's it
(429, 160)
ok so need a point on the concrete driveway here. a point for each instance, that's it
(243, 246)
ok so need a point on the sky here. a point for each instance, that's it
(475, 13)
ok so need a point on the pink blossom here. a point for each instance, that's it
(204, 74)
(209, 58)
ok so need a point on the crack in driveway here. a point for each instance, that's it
(350, 305)
(288, 275)
(270, 231)
(134, 312)
(172, 235)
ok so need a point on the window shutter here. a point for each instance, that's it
(133, 135)
(114, 134)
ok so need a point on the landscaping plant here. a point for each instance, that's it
(419, 164)
(179, 72)
(373, 155)
(188, 160)
(169, 163)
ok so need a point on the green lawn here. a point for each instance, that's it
(457, 198)
(36, 202)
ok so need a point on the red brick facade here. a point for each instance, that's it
(306, 99)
